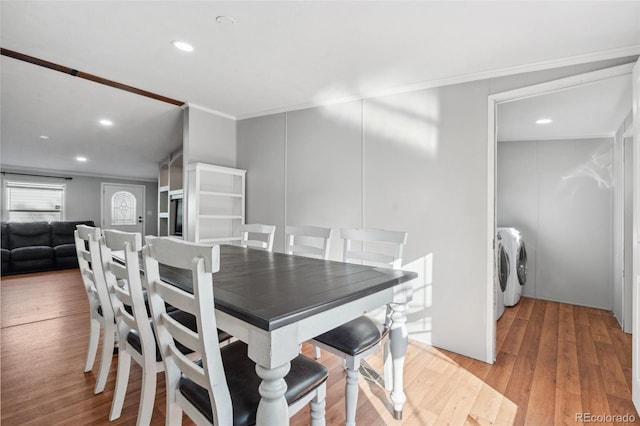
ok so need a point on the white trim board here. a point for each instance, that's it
(493, 101)
(561, 138)
(58, 174)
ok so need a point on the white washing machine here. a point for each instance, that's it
(517, 252)
(504, 270)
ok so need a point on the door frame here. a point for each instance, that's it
(144, 205)
(493, 101)
(635, 309)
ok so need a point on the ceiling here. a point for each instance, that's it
(277, 56)
(592, 110)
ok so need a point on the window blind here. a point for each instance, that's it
(28, 201)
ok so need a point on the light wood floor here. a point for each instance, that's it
(554, 361)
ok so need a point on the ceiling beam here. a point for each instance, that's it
(96, 79)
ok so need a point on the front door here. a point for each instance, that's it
(123, 207)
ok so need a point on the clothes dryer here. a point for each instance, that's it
(504, 270)
(515, 248)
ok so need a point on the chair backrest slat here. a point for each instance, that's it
(123, 295)
(300, 238)
(267, 231)
(120, 271)
(183, 335)
(378, 247)
(177, 297)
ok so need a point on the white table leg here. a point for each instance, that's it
(398, 346)
(272, 409)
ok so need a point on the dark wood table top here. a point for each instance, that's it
(271, 290)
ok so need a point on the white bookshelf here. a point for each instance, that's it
(169, 188)
(215, 203)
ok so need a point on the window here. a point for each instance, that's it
(28, 201)
(123, 209)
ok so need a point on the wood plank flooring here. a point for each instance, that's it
(555, 360)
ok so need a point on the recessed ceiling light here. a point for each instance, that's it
(181, 45)
(225, 20)
(44, 137)
(106, 122)
(81, 159)
(544, 121)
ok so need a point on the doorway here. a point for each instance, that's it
(123, 207)
(494, 100)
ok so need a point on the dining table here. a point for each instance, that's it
(274, 302)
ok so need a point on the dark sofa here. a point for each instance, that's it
(38, 246)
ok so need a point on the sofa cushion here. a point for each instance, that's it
(66, 256)
(31, 259)
(29, 234)
(65, 250)
(6, 260)
(62, 232)
(4, 235)
(34, 252)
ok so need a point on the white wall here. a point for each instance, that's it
(208, 138)
(399, 162)
(559, 193)
(423, 164)
(262, 154)
(324, 152)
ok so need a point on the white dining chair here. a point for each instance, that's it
(222, 389)
(257, 235)
(135, 334)
(96, 321)
(310, 241)
(359, 338)
(101, 311)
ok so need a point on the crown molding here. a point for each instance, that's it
(604, 55)
(209, 110)
(559, 138)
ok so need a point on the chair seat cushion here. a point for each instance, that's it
(184, 318)
(353, 337)
(304, 376)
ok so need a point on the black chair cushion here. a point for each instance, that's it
(243, 382)
(353, 337)
(184, 318)
(28, 234)
(129, 309)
